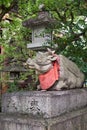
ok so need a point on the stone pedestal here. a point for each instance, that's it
(50, 110)
(45, 104)
(75, 120)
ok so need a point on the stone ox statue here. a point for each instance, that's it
(55, 72)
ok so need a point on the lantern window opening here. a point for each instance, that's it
(14, 75)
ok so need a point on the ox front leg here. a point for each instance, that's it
(38, 87)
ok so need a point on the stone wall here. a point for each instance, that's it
(51, 110)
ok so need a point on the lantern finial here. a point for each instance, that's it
(42, 7)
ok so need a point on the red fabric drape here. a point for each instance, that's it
(48, 79)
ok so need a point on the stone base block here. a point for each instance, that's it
(44, 104)
(75, 120)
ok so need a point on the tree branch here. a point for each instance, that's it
(77, 36)
(60, 16)
(6, 9)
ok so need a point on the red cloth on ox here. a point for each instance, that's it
(48, 79)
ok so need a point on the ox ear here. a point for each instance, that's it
(50, 51)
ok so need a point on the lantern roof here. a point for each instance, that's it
(43, 18)
(14, 68)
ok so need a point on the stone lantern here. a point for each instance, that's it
(41, 27)
(14, 70)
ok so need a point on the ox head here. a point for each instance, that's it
(42, 62)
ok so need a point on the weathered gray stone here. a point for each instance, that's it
(40, 36)
(75, 120)
(69, 75)
(44, 104)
